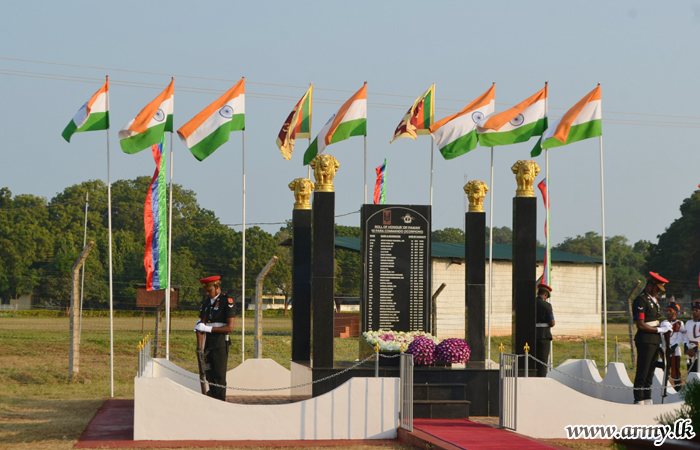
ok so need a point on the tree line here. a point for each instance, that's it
(41, 239)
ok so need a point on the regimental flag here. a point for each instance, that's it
(210, 129)
(92, 116)
(380, 185)
(456, 135)
(418, 118)
(546, 270)
(351, 120)
(583, 121)
(148, 127)
(518, 124)
(155, 221)
(297, 125)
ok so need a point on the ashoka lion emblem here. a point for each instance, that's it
(525, 173)
(476, 192)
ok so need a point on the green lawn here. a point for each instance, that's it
(40, 409)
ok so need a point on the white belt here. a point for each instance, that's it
(653, 323)
(216, 324)
(542, 325)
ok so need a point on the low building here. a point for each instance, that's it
(577, 283)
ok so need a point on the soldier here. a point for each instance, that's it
(216, 316)
(545, 321)
(646, 312)
(674, 343)
(692, 328)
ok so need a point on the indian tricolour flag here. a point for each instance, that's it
(148, 127)
(581, 122)
(518, 124)
(92, 116)
(210, 129)
(351, 120)
(456, 135)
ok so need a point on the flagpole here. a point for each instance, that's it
(431, 172)
(605, 298)
(170, 256)
(548, 255)
(243, 262)
(111, 292)
(308, 166)
(365, 169)
(490, 263)
(82, 276)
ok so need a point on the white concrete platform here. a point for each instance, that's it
(168, 405)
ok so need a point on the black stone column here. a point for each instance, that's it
(323, 278)
(475, 255)
(301, 285)
(524, 274)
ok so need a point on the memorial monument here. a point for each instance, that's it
(301, 269)
(475, 283)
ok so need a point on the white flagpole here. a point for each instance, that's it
(431, 171)
(111, 294)
(488, 345)
(243, 262)
(365, 169)
(170, 256)
(82, 276)
(605, 298)
(548, 254)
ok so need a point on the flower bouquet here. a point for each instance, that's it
(390, 343)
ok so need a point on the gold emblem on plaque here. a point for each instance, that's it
(525, 173)
(476, 191)
(324, 167)
(302, 188)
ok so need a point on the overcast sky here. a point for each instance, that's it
(645, 54)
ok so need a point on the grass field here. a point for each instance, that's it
(40, 409)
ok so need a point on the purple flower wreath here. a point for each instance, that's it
(423, 351)
(453, 351)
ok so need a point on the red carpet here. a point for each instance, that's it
(474, 436)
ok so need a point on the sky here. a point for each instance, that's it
(644, 54)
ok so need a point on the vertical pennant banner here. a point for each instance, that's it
(380, 185)
(547, 272)
(155, 222)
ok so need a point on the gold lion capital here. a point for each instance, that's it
(324, 167)
(476, 191)
(302, 188)
(525, 173)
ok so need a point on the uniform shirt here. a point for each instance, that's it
(544, 315)
(218, 310)
(646, 308)
(692, 333)
(678, 335)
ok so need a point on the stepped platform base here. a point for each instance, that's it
(479, 379)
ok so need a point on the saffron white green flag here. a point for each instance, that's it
(351, 120)
(518, 124)
(92, 116)
(582, 121)
(210, 129)
(148, 127)
(456, 135)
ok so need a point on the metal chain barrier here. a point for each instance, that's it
(392, 356)
(267, 389)
(567, 355)
(594, 382)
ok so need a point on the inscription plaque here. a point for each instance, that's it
(396, 267)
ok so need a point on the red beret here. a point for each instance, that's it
(544, 286)
(658, 280)
(212, 279)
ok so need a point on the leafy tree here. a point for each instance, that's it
(677, 255)
(348, 264)
(449, 235)
(626, 263)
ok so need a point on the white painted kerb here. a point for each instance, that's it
(164, 409)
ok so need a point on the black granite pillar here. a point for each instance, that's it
(475, 255)
(323, 278)
(301, 285)
(524, 273)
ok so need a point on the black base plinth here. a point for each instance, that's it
(524, 273)
(475, 254)
(301, 285)
(480, 384)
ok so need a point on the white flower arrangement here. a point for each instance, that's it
(393, 341)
